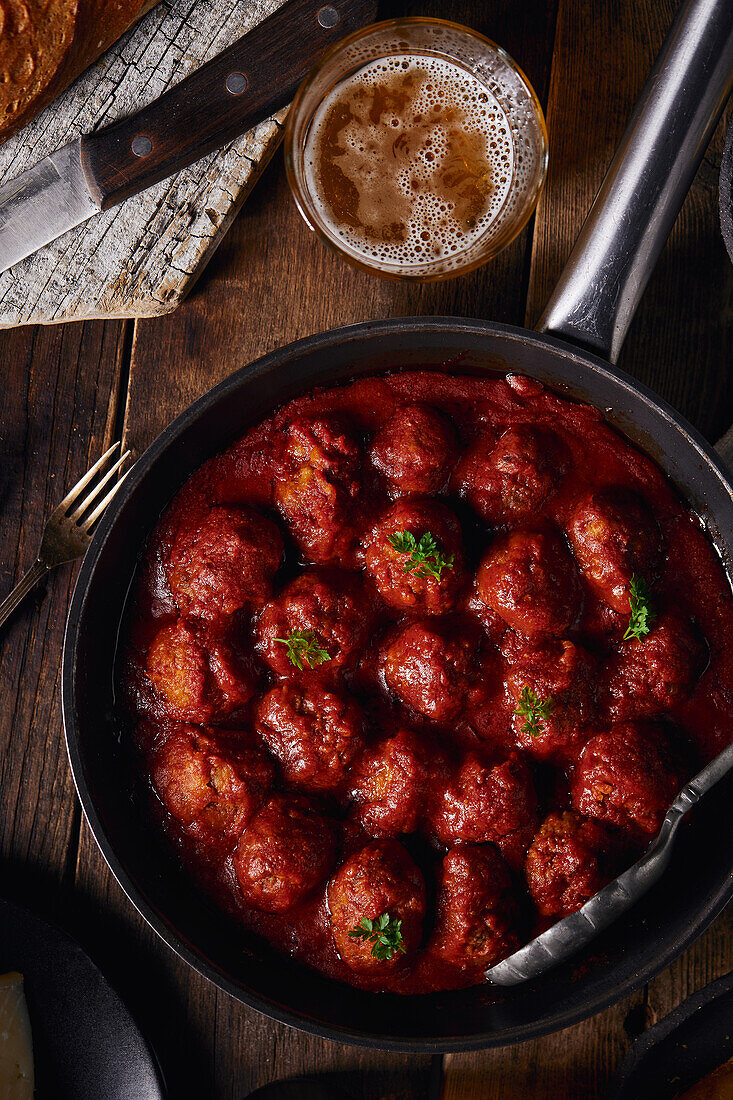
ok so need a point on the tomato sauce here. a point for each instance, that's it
(494, 711)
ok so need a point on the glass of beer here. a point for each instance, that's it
(416, 148)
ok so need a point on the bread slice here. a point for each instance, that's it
(45, 44)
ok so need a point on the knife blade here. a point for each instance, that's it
(42, 203)
(250, 80)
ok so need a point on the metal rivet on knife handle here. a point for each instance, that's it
(327, 16)
(236, 83)
(141, 145)
(200, 113)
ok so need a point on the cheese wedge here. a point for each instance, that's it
(16, 1047)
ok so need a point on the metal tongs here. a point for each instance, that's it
(572, 933)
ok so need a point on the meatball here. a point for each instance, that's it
(655, 673)
(430, 671)
(529, 579)
(380, 878)
(567, 863)
(414, 450)
(509, 479)
(614, 535)
(481, 803)
(212, 785)
(476, 909)
(225, 563)
(426, 582)
(625, 776)
(317, 487)
(390, 785)
(326, 618)
(284, 854)
(314, 733)
(192, 681)
(561, 677)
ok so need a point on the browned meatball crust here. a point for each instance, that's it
(530, 580)
(314, 733)
(507, 480)
(476, 909)
(330, 608)
(284, 854)
(318, 490)
(196, 681)
(429, 670)
(563, 677)
(653, 674)
(482, 803)
(211, 783)
(414, 450)
(625, 776)
(390, 784)
(226, 562)
(380, 878)
(569, 860)
(614, 535)
(403, 583)
(379, 670)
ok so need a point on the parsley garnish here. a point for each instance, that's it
(384, 934)
(425, 559)
(642, 615)
(534, 710)
(303, 646)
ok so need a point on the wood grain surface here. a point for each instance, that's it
(72, 389)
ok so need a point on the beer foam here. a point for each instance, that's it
(393, 161)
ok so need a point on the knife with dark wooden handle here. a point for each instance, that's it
(230, 94)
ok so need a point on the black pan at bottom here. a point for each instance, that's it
(86, 1046)
(681, 1049)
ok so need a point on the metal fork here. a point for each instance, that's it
(68, 532)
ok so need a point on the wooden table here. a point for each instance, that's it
(68, 391)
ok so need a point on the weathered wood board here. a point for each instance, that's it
(141, 258)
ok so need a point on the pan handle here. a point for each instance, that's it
(597, 294)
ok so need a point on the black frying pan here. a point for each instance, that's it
(681, 1049)
(86, 1046)
(591, 309)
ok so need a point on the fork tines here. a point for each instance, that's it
(81, 516)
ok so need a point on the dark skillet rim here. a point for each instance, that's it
(725, 192)
(711, 906)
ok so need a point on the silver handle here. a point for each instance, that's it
(30, 579)
(596, 297)
(711, 774)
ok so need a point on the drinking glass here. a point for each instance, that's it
(512, 123)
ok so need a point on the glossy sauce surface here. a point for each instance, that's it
(393, 773)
